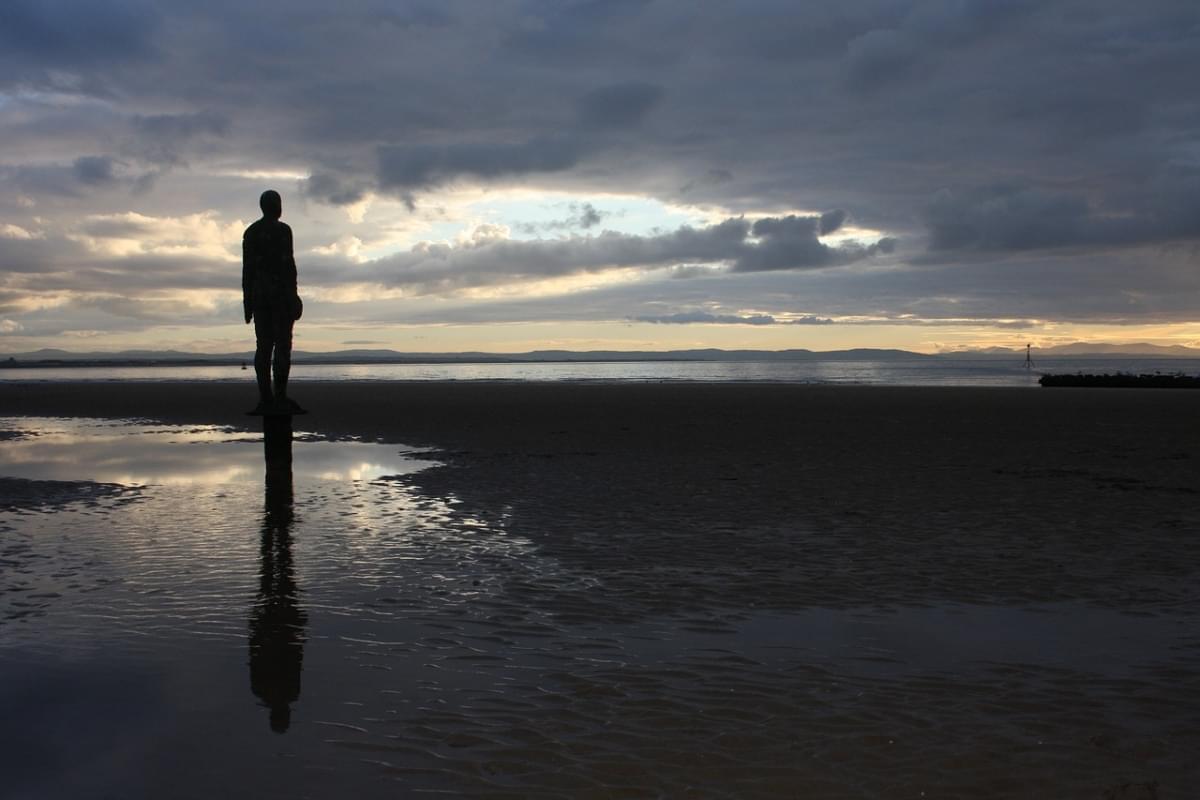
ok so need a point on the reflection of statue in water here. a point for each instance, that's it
(270, 298)
(276, 620)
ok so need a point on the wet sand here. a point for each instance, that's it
(758, 528)
(967, 494)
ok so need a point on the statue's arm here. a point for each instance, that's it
(290, 262)
(247, 278)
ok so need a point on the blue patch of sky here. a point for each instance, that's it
(534, 217)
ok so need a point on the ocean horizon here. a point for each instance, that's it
(892, 372)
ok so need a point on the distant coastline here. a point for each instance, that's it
(57, 358)
(170, 358)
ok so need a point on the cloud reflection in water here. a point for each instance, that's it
(133, 453)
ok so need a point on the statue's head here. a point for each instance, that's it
(271, 204)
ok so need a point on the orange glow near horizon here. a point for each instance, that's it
(617, 335)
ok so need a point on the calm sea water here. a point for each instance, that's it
(917, 372)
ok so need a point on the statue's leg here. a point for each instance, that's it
(283, 353)
(264, 342)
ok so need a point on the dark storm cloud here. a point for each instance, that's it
(786, 243)
(618, 106)
(407, 168)
(809, 319)
(415, 15)
(34, 255)
(831, 221)
(332, 189)
(587, 216)
(656, 98)
(94, 170)
(63, 180)
(1005, 218)
(911, 41)
(711, 178)
(791, 243)
(706, 318)
(164, 138)
(1135, 287)
(1029, 218)
(60, 263)
(769, 244)
(182, 126)
(568, 33)
(116, 227)
(37, 36)
(444, 267)
(135, 277)
(88, 176)
(879, 56)
(584, 216)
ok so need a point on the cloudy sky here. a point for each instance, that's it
(508, 175)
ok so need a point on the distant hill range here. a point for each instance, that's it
(52, 357)
(173, 357)
(1082, 350)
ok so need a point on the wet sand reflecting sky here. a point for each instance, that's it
(223, 623)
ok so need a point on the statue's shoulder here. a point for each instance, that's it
(267, 230)
(253, 229)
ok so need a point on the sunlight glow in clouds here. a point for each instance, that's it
(496, 175)
(200, 235)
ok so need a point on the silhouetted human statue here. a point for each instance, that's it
(276, 619)
(270, 298)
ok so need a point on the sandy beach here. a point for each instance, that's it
(758, 590)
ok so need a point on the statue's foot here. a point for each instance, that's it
(286, 405)
(262, 409)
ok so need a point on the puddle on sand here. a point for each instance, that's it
(136, 454)
(194, 605)
(235, 622)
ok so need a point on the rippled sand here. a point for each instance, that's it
(598, 593)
